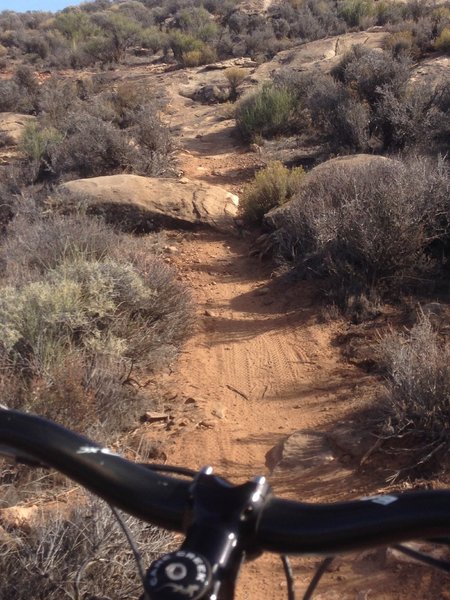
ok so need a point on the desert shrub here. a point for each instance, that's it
(35, 245)
(38, 145)
(272, 186)
(355, 12)
(121, 33)
(415, 404)
(189, 50)
(388, 12)
(369, 228)
(56, 97)
(419, 118)
(181, 43)
(442, 42)
(235, 76)
(402, 42)
(265, 113)
(10, 96)
(335, 113)
(367, 71)
(82, 553)
(437, 120)
(80, 307)
(154, 141)
(154, 39)
(198, 23)
(91, 147)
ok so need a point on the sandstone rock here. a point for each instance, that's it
(13, 124)
(320, 55)
(138, 203)
(303, 449)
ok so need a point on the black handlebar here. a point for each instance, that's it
(284, 526)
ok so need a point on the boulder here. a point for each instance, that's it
(431, 71)
(142, 204)
(211, 94)
(12, 126)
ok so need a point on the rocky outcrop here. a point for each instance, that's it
(12, 126)
(321, 55)
(138, 203)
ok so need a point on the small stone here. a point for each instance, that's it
(154, 417)
(206, 424)
(171, 250)
(218, 412)
(208, 313)
(263, 291)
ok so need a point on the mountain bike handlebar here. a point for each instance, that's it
(280, 526)
(285, 526)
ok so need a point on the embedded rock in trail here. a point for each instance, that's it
(321, 55)
(322, 176)
(303, 449)
(12, 126)
(138, 203)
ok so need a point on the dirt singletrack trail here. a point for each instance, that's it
(261, 365)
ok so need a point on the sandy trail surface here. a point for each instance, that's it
(263, 364)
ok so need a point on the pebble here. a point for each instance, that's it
(263, 291)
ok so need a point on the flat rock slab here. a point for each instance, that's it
(144, 203)
(13, 124)
(320, 55)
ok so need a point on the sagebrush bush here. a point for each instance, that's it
(272, 187)
(87, 307)
(415, 404)
(368, 228)
(82, 553)
(368, 71)
(265, 113)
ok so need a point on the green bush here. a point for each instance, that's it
(442, 42)
(265, 113)
(36, 141)
(272, 187)
(355, 12)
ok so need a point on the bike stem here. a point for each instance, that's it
(220, 532)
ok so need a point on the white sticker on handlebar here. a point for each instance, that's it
(384, 500)
(94, 450)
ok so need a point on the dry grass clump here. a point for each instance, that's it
(415, 404)
(86, 310)
(84, 555)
